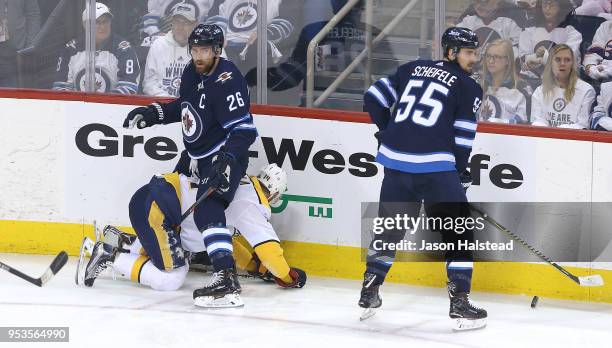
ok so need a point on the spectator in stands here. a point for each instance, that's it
(601, 8)
(19, 24)
(238, 19)
(598, 58)
(333, 54)
(536, 41)
(505, 97)
(563, 100)
(116, 65)
(601, 118)
(169, 55)
(158, 20)
(490, 20)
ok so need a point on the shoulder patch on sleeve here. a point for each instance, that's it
(123, 45)
(224, 76)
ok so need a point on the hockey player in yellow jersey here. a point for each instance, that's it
(156, 256)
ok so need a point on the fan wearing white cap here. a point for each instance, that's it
(169, 54)
(158, 20)
(116, 65)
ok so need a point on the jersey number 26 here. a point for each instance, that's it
(409, 100)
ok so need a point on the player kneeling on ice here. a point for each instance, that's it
(425, 142)
(156, 256)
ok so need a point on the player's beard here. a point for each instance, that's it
(203, 67)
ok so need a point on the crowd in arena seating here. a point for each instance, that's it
(544, 62)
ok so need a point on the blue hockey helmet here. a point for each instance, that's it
(456, 38)
(206, 35)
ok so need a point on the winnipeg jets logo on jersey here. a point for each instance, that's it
(243, 16)
(102, 83)
(224, 76)
(191, 122)
(491, 108)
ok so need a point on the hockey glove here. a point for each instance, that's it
(144, 116)
(219, 176)
(466, 179)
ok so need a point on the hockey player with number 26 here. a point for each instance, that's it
(426, 116)
(213, 108)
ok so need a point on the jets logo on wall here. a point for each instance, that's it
(243, 17)
(559, 104)
(191, 122)
(101, 85)
(491, 108)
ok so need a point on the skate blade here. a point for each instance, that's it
(463, 324)
(227, 301)
(593, 280)
(367, 314)
(86, 249)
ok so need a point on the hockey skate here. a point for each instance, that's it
(117, 238)
(223, 291)
(87, 246)
(102, 257)
(465, 314)
(370, 297)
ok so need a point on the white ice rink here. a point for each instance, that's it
(323, 314)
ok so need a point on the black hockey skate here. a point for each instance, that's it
(102, 257)
(117, 238)
(465, 314)
(370, 297)
(223, 291)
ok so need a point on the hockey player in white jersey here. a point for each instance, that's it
(169, 55)
(563, 100)
(156, 257)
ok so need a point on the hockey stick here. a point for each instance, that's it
(58, 262)
(592, 280)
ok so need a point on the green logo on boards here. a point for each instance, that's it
(317, 208)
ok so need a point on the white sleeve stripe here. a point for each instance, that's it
(464, 141)
(230, 123)
(379, 96)
(391, 89)
(466, 125)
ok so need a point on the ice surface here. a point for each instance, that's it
(118, 313)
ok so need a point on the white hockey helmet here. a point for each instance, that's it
(274, 179)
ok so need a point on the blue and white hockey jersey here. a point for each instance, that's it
(214, 111)
(426, 113)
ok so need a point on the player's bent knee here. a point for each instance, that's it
(170, 280)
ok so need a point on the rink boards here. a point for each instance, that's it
(69, 162)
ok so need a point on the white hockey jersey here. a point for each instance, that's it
(241, 17)
(601, 46)
(558, 112)
(535, 37)
(499, 28)
(158, 18)
(508, 104)
(165, 64)
(249, 213)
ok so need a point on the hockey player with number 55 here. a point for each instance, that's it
(218, 129)
(426, 115)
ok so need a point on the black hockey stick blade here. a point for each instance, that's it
(58, 262)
